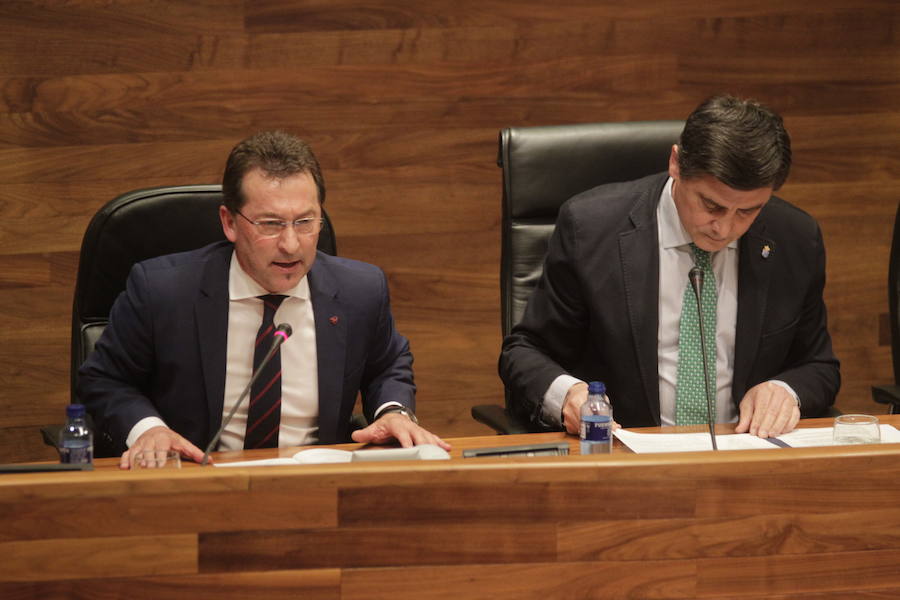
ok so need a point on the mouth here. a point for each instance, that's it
(286, 266)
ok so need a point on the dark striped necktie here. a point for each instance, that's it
(264, 412)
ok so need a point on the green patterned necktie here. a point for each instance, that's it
(690, 393)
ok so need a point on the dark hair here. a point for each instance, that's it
(278, 154)
(741, 143)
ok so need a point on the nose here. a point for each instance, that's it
(722, 226)
(289, 240)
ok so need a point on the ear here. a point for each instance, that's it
(673, 163)
(229, 226)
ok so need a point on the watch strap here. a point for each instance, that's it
(402, 410)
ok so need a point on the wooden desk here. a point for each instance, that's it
(785, 523)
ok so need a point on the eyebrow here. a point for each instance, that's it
(717, 205)
(274, 217)
(708, 200)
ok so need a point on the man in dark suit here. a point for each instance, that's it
(609, 303)
(182, 339)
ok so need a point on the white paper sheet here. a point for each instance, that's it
(312, 456)
(691, 442)
(688, 442)
(822, 436)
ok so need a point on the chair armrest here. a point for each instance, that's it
(887, 394)
(496, 417)
(50, 433)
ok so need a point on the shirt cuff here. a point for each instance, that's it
(381, 408)
(788, 388)
(141, 427)
(554, 398)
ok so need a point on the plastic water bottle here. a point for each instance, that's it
(596, 421)
(76, 442)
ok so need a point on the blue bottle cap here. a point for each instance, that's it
(73, 411)
(596, 387)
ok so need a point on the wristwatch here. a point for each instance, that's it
(402, 410)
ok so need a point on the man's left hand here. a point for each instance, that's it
(396, 426)
(768, 410)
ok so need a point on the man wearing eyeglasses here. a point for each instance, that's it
(181, 344)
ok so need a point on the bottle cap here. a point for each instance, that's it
(596, 387)
(73, 411)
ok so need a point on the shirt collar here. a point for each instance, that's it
(672, 233)
(241, 286)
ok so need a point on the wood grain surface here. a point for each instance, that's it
(402, 102)
(783, 523)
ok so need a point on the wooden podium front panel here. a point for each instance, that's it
(781, 523)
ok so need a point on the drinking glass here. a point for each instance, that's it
(156, 459)
(856, 429)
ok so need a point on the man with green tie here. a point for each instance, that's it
(614, 302)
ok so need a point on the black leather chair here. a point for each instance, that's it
(890, 394)
(133, 227)
(542, 168)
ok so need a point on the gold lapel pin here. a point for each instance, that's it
(766, 251)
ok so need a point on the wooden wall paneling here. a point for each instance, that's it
(126, 17)
(567, 581)
(690, 525)
(320, 584)
(99, 557)
(758, 576)
(879, 594)
(281, 15)
(138, 514)
(403, 103)
(376, 546)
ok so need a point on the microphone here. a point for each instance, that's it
(695, 276)
(281, 334)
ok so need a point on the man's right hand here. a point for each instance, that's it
(575, 397)
(161, 438)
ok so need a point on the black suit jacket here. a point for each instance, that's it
(164, 351)
(594, 313)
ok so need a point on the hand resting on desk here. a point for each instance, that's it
(768, 410)
(161, 439)
(395, 426)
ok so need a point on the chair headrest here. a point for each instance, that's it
(545, 166)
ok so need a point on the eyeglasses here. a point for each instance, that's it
(275, 227)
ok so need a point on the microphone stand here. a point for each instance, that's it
(282, 333)
(696, 278)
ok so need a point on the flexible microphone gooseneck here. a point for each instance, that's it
(281, 334)
(696, 278)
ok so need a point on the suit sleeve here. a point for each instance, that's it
(113, 380)
(811, 368)
(552, 331)
(388, 374)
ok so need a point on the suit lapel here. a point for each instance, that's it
(755, 259)
(331, 347)
(639, 255)
(211, 314)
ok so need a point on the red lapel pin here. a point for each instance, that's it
(333, 320)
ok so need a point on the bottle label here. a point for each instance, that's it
(596, 428)
(79, 455)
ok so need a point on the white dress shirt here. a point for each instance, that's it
(299, 375)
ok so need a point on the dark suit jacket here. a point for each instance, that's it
(594, 313)
(164, 351)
